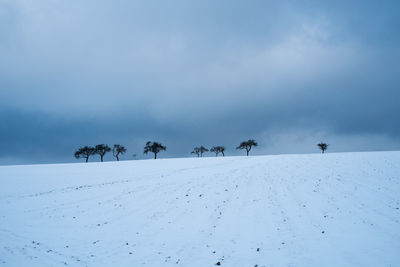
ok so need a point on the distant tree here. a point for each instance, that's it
(202, 150)
(154, 147)
(85, 152)
(102, 150)
(222, 150)
(247, 145)
(117, 150)
(196, 151)
(323, 146)
(199, 151)
(217, 150)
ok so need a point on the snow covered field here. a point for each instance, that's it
(286, 210)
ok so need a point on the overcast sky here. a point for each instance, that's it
(286, 73)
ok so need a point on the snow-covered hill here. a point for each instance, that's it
(286, 210)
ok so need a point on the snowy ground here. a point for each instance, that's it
(287, 210)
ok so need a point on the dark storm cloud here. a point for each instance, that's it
(288, 73)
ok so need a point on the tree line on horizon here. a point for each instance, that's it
(101, 149)
(154, 147)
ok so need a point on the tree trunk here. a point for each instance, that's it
(87, 158)
(117, 157)
(155, 155)
(223, 154)
(247, 152)
(101, 157)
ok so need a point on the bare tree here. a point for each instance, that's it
(217, 150)
(117, 150)
(102, 150)
(85, 152)
(154, 147)
(199, 151)
(323, 147)
(222, 149)
(196, 151)
(247, 145)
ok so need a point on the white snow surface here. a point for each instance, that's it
(339, 209)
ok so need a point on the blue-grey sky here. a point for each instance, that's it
(286, 73)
